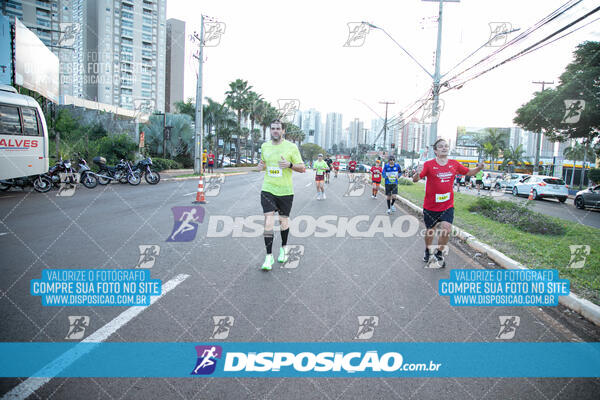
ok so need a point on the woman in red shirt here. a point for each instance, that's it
(438, 206)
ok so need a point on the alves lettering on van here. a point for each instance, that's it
(18, 144)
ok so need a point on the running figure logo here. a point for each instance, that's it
(366, 326)
(222, 325)
(579, 253)
(573, 109)
(213, 184)
(357, 34)
(508, 326)
(498, 34)
(356, 185)
(287, 108)
(77, 325)
(185, 223)
(68, 30)
(68, 184)
(212, 33)
(207, 359)
(148, 254)
(428, 117)
(294, 253)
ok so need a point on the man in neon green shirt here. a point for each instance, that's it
(320, 168)
(278, 157)
(479, 181)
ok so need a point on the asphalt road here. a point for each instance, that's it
(551, 207)
(337, 280)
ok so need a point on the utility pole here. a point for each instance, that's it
(538, 135)
(385, 123)
(199, 134)
(436, 85)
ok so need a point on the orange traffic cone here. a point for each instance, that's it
(200, 194)
(530, 194)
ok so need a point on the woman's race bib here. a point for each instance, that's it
(274, 172)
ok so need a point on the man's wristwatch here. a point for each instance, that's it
(291, 164)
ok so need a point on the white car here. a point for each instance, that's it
(508, 181)
(541, 186)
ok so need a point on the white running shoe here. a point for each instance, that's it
(393, 209)
(324, 196)
(389, 211)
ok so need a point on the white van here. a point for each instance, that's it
(23, 135)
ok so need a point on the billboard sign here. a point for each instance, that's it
(471, 137)
(36, 67)
(5, 51)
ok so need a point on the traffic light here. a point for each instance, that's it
(393, 145)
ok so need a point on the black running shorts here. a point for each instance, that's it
(433, 217)
(391, 188)
(281, 204)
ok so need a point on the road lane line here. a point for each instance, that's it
(30, 385)
(3, 233)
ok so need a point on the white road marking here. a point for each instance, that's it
(30, 385)
(3, 233)
(189, 194)
(308, 184)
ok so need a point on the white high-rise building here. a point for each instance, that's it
(333, 130)
(356, 133)
(311, 126)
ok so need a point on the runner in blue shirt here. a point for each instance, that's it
(391, 172)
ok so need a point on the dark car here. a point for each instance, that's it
(589, 197)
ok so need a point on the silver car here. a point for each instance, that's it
(589, 197)
(541, 186)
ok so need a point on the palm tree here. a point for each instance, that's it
(237, 99)
(268, 114)
(254, 108)
(513, 155)
(210, 115)
(493, 143)
(255, 140)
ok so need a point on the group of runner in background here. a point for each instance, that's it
(280, 157)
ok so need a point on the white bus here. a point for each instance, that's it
(23, 135)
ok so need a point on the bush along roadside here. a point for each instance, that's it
(160, 164)
(533, 250)
(518, 215)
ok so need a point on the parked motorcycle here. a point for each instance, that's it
(143, 168)
(40, 183)
(86, 175)
(121, 172)
(61, 167)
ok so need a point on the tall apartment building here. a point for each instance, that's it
(356, 133)
(310, 123)
(175, 57)
(333, 129)
(110, 51)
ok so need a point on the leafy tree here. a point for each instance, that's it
(116, 147)
(188, 107)
(546, 112)
(310, 151)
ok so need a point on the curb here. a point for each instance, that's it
(585, 308)
(196, 177)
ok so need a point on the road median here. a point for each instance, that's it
(515, 249)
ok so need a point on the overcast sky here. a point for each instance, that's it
(294, 50)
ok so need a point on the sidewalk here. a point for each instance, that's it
(172, 173)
